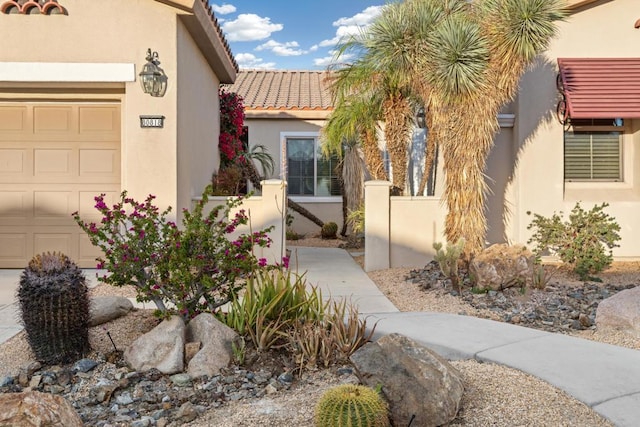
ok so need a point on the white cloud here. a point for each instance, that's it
(362, 19)
(282, 49)
(249, 60)
(224, 9)
(331, 59)
(249, 27)
(352, 25)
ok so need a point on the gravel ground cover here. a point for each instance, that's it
(494, 395)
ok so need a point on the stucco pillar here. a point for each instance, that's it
(274, 209)
(376, 225)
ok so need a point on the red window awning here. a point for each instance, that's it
(600, 88)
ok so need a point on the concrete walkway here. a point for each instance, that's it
(605, 377)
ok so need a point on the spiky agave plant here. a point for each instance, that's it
(350, 405)
(54, 305)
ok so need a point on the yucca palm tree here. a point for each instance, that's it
(355, 121)
(473, 63)
(381, 73)
(344, 133)
(463, 60)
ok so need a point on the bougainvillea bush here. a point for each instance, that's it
(187, 271)
(231, 128)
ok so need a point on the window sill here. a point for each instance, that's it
(316, 199)
(600, 191)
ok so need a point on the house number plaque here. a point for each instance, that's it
(151, 121)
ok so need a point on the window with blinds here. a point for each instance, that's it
(592, 151)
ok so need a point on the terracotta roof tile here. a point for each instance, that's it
(27, 7)
(283, 90)
(216, 25)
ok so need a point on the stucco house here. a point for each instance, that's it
(284, 111)
(74, 120)
(570, 136)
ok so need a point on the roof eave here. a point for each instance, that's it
(304, 114)
(573, 5)
(207, 35)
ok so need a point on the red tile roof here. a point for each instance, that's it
(26, 7)
(218, 29)
(283, 90)
(600, 88)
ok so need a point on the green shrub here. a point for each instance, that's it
(54, 305)
(350, 405)
(355, 218)
(279, 310)
(329, 230)
(197, 268)
(271, 302)
(581, 242)
(448, 260)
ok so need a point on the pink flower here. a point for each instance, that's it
(285, 261)
(262, 262)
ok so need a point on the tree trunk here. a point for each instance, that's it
(304, 212)
(253, 176)
(431, 146)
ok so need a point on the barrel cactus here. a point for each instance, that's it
(351, 405)
(329, 230)
(54, 305)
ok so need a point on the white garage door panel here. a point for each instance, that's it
(54, 159)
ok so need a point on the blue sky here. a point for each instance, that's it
(290, 34)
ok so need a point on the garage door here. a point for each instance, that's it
(55, 157)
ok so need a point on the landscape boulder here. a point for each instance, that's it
(217, 340)
(108, 308)
(161, 348)
(620, 312)
(32, 408)
(421, 387)
(501, 266)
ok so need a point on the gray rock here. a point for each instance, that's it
(107, 308)
(216, 339)
(621, 312)
(161, 348)
(181, 380)
(415, 380)
(84, 365)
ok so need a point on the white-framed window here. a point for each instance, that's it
(593, 150)
(308, 171)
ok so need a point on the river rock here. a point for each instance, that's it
(216, 338)
(107, 308)
(161, 348)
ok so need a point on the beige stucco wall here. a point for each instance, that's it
(121, 31)
(606, 29)
(268, 132)
(198, 119)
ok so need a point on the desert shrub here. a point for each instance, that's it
(351, 405)
(271, 302)
(584, 242)
(278, 309)
(355, 219)
(329, 230)
(448, 260)
(194, 269)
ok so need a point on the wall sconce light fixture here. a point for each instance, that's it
(152, 77)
